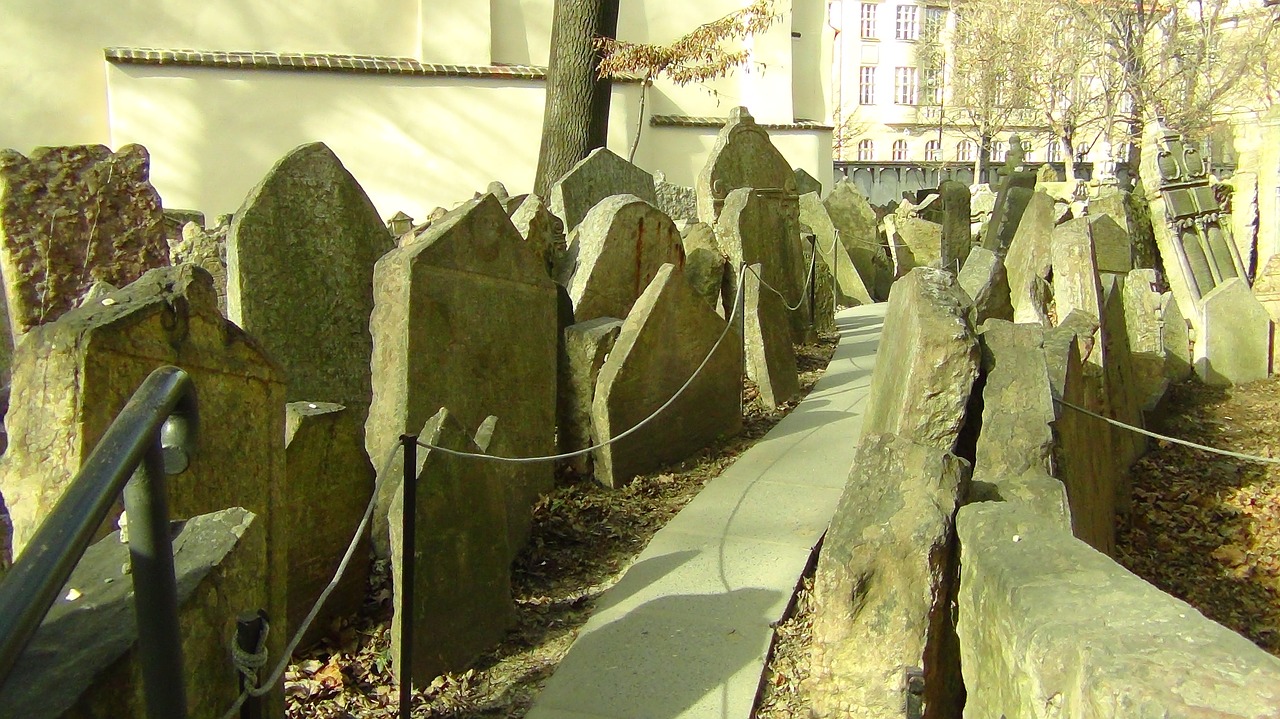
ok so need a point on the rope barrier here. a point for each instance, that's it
(245, 662)
(1174, 440)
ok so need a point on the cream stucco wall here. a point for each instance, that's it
(681, 152)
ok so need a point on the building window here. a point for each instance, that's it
(1053, 152)
(964, 151)
(907, 26)
(866, 150)
(932, 86)
(933, 151)
(899, 150)
(868, 23)
(906, 85)
(999, 150)
(935, 19)
(866, 85)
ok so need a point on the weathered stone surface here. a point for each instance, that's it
(1235, 340)
(1049, 627)
(586, 345)
(1157, 335)
(206, 248)
(71, 378)
(6, 538)
(176, 220)
(1075, 270)
(927, 362)
(1017, 406)
(615, 252)
(1047, 173)
(462, 578)
(82, 662)
(742, 157)
(852, 290)
(1015, 192)
(678, 202)
(1111, 245)
(858, 230)
(954, 216)
(704, 265)
(1039, 493)
(982, 200)
(1244, 216)
(329, 485)
(1124, 402)
(543, 231)
(758, 229)
(824, 293)
(1266, 287)
(300, 258)
(771, 360)
(465, 318)
(806, 183)
(667, 335)
(984, 279)
(917, 243)
(70, 216)
(599, 175)
(1029, 261)
(880, 594)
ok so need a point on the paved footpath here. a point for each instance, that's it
(687, 630)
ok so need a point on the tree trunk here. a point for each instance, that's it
(598, 133)
(1069, 158)
(571, 87)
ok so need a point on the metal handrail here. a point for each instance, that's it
(152, 436)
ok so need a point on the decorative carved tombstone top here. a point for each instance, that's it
(743, 156)
(1183, 180)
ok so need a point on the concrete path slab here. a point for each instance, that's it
(687, 629)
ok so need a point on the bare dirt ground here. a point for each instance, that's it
(1206, 528)
(584, 537)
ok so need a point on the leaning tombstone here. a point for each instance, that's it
(858, 230)
(1075, 269)
(953, 214)
(1015, 192)
(806, 183)
(754, 227)
(984, 279)
(461, 599)
(813, 214)
(586, 345)
(667, 336)
(679, 202)
(771, 360)
(543, 231)
(704, 265)
(1234, 345)
(301, 281)
(1029, 261)
(1111, 244)
(599, 175)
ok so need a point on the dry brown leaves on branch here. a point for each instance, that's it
(1206, 528)
(584, 537)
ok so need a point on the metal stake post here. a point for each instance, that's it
(249, 638)
(408, 527)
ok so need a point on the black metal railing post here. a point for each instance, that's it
(408, 530)
(250, 629)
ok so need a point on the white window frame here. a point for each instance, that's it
(933, 151)
(900, 151)
(867, 85)
(906, 85)
(932, 85)
(906, 24)
(867, 20)
(964, 151)
(999, 151)
(935, 16)
(866, 150)
(1053, 151)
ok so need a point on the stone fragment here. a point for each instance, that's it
(852, 290)
(927, 362)
(1111, 245)
(985, 281)
(465, 318)
(96, 293)
(329, 485)
(1015, 192)
(1017, 402)
(176, 220)
(83, 661)
(615, 252)
(206, 248)
(667, 335)
(880, 593)
(543, 231)
(300, 256)
(757, 229)
(1029, 261)
(1039, 493)
(1075, 270)
(678, 202)
(806, 183)
(70, 216)
(462, 602)
(857, 229)
(1050, 627)
(599, 175)
(586, 345)
(1235, 336)
(916, 243)
(743, 157)
(704, 265)
(771, 360)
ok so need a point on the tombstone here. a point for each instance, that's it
(823, 296)
(953, 206)
(678, 202)
(984, 279)
(1153, 338)
(1075, 270)
(755, 229)
(1124, 402)
(1047, 173)
(743, 156)
(300, 278)
(614, 252)
(806, 183)
(1244, 218)
(543, 231)
(858, 230)
(1234, 345)
(462, 604)
(400, 224)
(1190, 230)
(70, 216)
(1015, 192)
(916, 242)
(668, 334)
(206, 248)
(329, 482)
(704, 265)
(851, 289)
(175, 220)
(586, 345)
(771, 360)
(1017, 403)
(71, 377)
(1111, 245)
(927, 362)
(599, 175)
(465, 317)
(1267, 289)
(1029, 261)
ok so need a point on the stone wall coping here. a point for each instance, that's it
(717, 122)
(316, 62)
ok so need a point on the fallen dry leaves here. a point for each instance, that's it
(584, 536)
(1204, 527)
